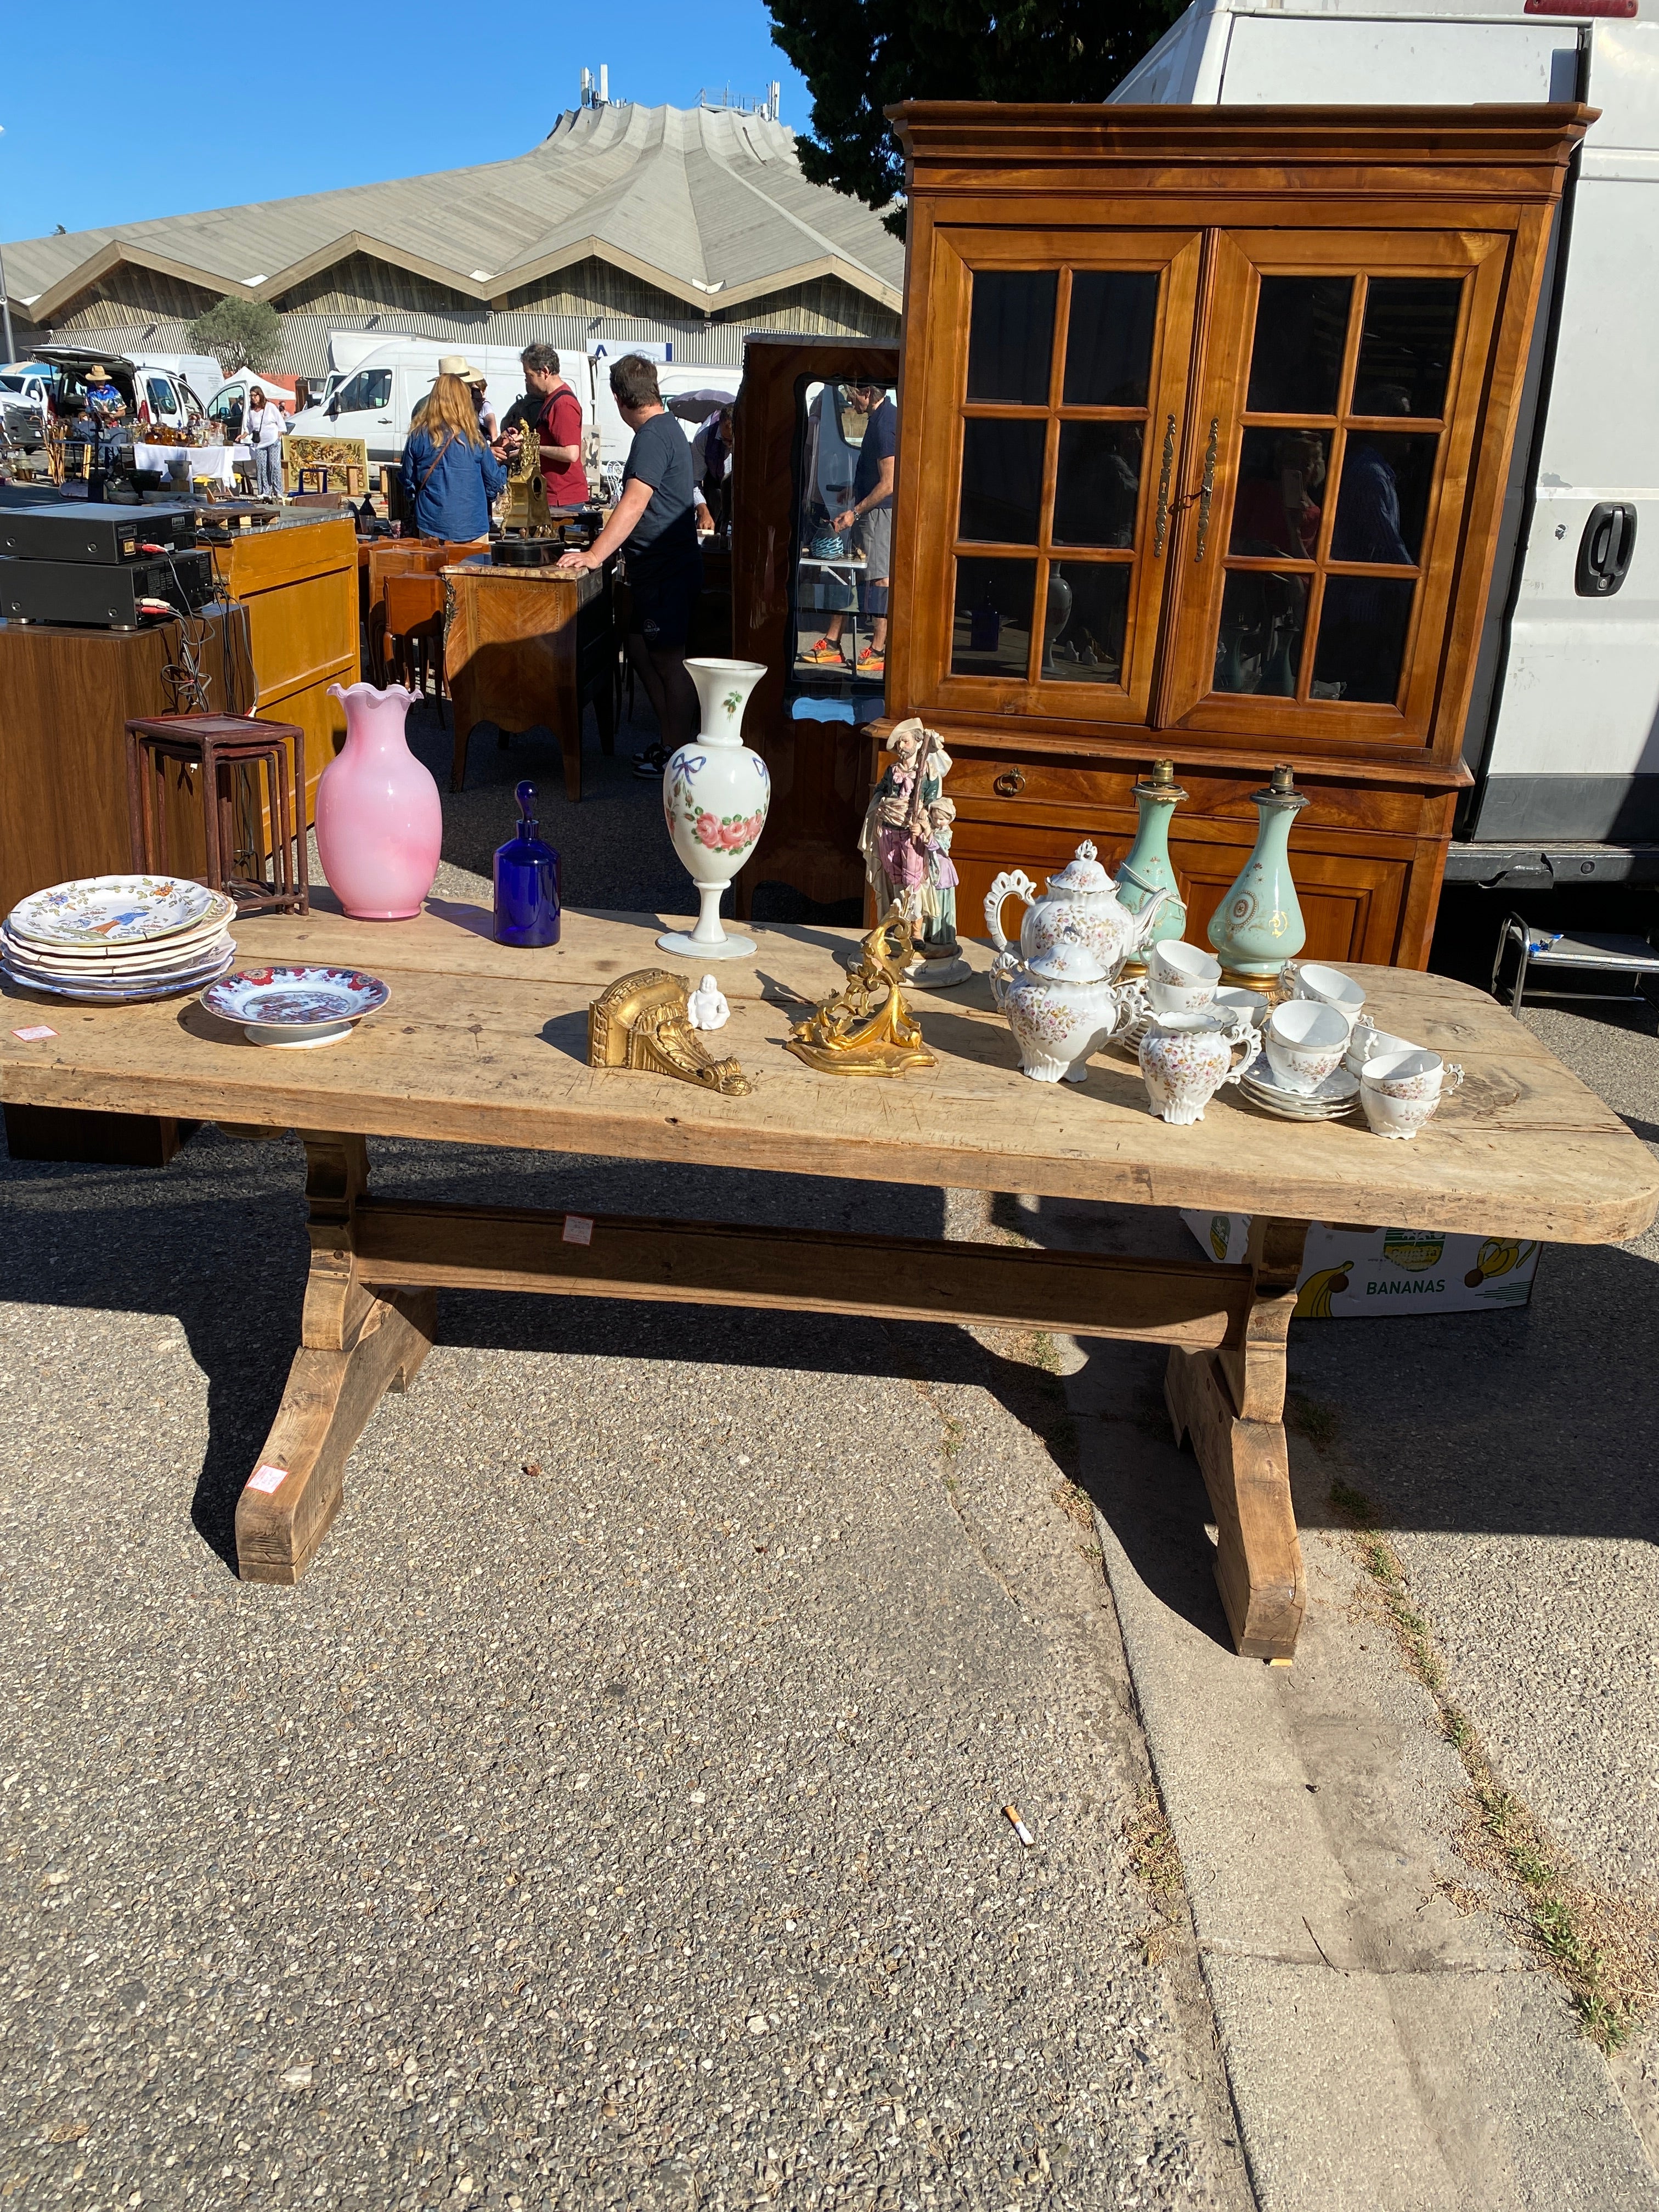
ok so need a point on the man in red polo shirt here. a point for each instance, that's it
(553, 412)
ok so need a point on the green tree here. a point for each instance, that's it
(237, 332)
(859, 56)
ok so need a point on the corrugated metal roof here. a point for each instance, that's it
(698, 196)
(304, 348)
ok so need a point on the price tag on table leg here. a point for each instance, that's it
(267, 1479)
(578, 1229)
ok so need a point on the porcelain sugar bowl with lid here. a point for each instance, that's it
(1060, 1008)
(1081, 905)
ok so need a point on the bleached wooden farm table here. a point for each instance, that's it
(480, 1044)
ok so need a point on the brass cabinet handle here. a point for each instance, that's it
(1207, 488)
(1010, 783)
(1161, 520)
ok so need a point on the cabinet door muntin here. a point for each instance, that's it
(1336, 472)
(1063, 432)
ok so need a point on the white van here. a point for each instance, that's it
(1563, 733)
(674, 380)
(377, 398)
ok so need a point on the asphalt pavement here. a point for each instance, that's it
(615, 1815)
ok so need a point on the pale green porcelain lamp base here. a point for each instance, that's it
(1147, 867)
(1258, 927)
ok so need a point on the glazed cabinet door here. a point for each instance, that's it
(1052, 437)
(1324, 479)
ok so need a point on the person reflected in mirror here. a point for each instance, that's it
(1280, 513)
(711, 471)
(655, 519)
(870, 518)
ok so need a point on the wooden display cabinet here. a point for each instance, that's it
(1206, 419)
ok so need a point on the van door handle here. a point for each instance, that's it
(1604, 549)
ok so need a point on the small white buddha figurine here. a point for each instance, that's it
(705, 1006)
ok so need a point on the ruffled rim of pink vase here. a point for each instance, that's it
(350, 691)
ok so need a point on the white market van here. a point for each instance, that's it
(674, 380)
(376, 399)
(1563, 734)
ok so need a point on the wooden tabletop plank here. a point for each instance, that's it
(482, 1044)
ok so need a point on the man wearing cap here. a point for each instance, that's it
(551, 410)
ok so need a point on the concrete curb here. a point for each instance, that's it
(1388, 2050)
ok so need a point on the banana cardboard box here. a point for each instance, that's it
(1349, 1274)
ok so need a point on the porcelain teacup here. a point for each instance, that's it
(1402, 1090)
(1176, 962)
(1369, 1042)
(1236, 1000)
(1185, 1058)
(1190, 995)
(1305, 1041)
(1325, 987)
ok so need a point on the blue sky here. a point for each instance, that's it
(409, 105)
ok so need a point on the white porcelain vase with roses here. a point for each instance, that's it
(714, 797)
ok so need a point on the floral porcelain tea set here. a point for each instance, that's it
(1313, 1057)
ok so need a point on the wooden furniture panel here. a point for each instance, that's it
(299, 584)
(524, 646)
(1374, 199)
(67, 695)
(1352, 899)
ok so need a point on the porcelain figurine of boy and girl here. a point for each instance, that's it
(906, 846)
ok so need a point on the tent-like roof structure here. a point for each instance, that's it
(708, 205)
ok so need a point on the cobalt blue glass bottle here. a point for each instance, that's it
(527, 882)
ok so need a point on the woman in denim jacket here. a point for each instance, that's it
(450, 475)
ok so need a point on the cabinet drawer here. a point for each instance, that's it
(1352, 899)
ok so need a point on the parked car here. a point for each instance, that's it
(25, 403)
(1562, 736)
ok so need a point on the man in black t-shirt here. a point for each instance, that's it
(655, 519)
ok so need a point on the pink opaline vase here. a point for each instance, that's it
(379, 821)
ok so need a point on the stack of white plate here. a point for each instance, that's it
(1336, 1096)
(109, 938)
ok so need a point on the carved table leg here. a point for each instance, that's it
(1231, 1404)
(354, 1347)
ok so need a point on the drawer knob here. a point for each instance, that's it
(1010, 783)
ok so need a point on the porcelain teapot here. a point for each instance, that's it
(1059, 1008)
(1081, 906)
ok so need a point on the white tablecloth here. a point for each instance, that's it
(215, 462)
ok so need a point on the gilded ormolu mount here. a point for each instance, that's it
(523, 511)
(642, 1021)
(864, 1028)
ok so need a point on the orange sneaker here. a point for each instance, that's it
(872, 663)
(826, 653)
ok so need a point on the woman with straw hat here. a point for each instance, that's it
(450, 474)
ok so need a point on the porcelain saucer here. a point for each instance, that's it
(296, 1007)
(1336, 1096)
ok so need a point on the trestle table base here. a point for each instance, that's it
(377, 1265)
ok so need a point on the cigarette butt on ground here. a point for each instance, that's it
(1019, 1827)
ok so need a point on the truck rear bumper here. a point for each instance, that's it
(1513, 866)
